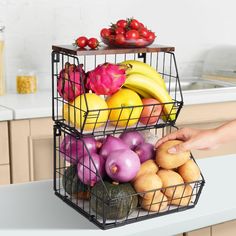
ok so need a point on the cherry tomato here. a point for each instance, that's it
(141, 42)
(105, 33)
(121, 23)
(134, 24)
(81, 42)
(93, 43)
(111, 38)
(132, 34)
(141, 25)
(119, 30)
(143, 32)
(112, 30)
(151, 36)
(120, 39)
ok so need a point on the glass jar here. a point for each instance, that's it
(26, 82)
(2, 72)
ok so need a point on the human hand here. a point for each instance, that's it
(192, 139)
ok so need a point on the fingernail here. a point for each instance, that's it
(172, 150)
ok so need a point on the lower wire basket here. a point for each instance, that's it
(80, 182)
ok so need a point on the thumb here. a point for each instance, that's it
(178, 149)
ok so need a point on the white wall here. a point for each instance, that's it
(32, 26)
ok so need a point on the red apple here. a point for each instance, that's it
(151, 111)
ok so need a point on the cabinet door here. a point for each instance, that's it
(4, 154)
(4, 174)
(41, 157)
(207, 113)
(19, 133)
(200, 232)
(225, 229)
(32, 149)
(4, 146)
(41, 149)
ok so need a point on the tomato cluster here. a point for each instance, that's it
(82, 42)
(128, 32)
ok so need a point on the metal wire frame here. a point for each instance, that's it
(100, 217)
(80, 118)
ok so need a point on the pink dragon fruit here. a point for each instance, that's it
(69, 81)
(106, 78)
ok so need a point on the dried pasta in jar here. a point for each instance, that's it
(26, 84)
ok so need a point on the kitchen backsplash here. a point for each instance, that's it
(193, 27)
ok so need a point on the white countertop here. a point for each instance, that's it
(26, 106)
(40, 104)
(5, 114)
(34, 206)
(204, 96)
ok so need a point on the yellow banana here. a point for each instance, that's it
(139, 91)
(148, 85)
(144, 69)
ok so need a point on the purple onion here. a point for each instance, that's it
(132, 139)
(122, 165)
(73, 149)
(89, 168)
(99, 143)
(145, 152)
(111, 144)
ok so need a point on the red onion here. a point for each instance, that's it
(145, 152)
(89, 168)
(73, 149)
(122, 165)
(99, 143)
(111, 144)
(132, 139)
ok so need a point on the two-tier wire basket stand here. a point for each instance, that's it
(162, 58)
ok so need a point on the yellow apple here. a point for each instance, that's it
(124, 111)
(92, 116)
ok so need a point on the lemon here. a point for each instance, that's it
(87, 112)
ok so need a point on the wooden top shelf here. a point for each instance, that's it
(70, 49)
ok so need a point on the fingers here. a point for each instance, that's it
(168, 137)
(184, 134)
(183, 147)
(179, 134)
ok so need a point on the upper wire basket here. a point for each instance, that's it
(83, 118)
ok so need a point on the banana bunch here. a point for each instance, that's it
(138, 67)
(147, 82)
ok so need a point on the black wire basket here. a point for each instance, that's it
(78, 117)
(92, 194)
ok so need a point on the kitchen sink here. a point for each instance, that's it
(199, 84)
